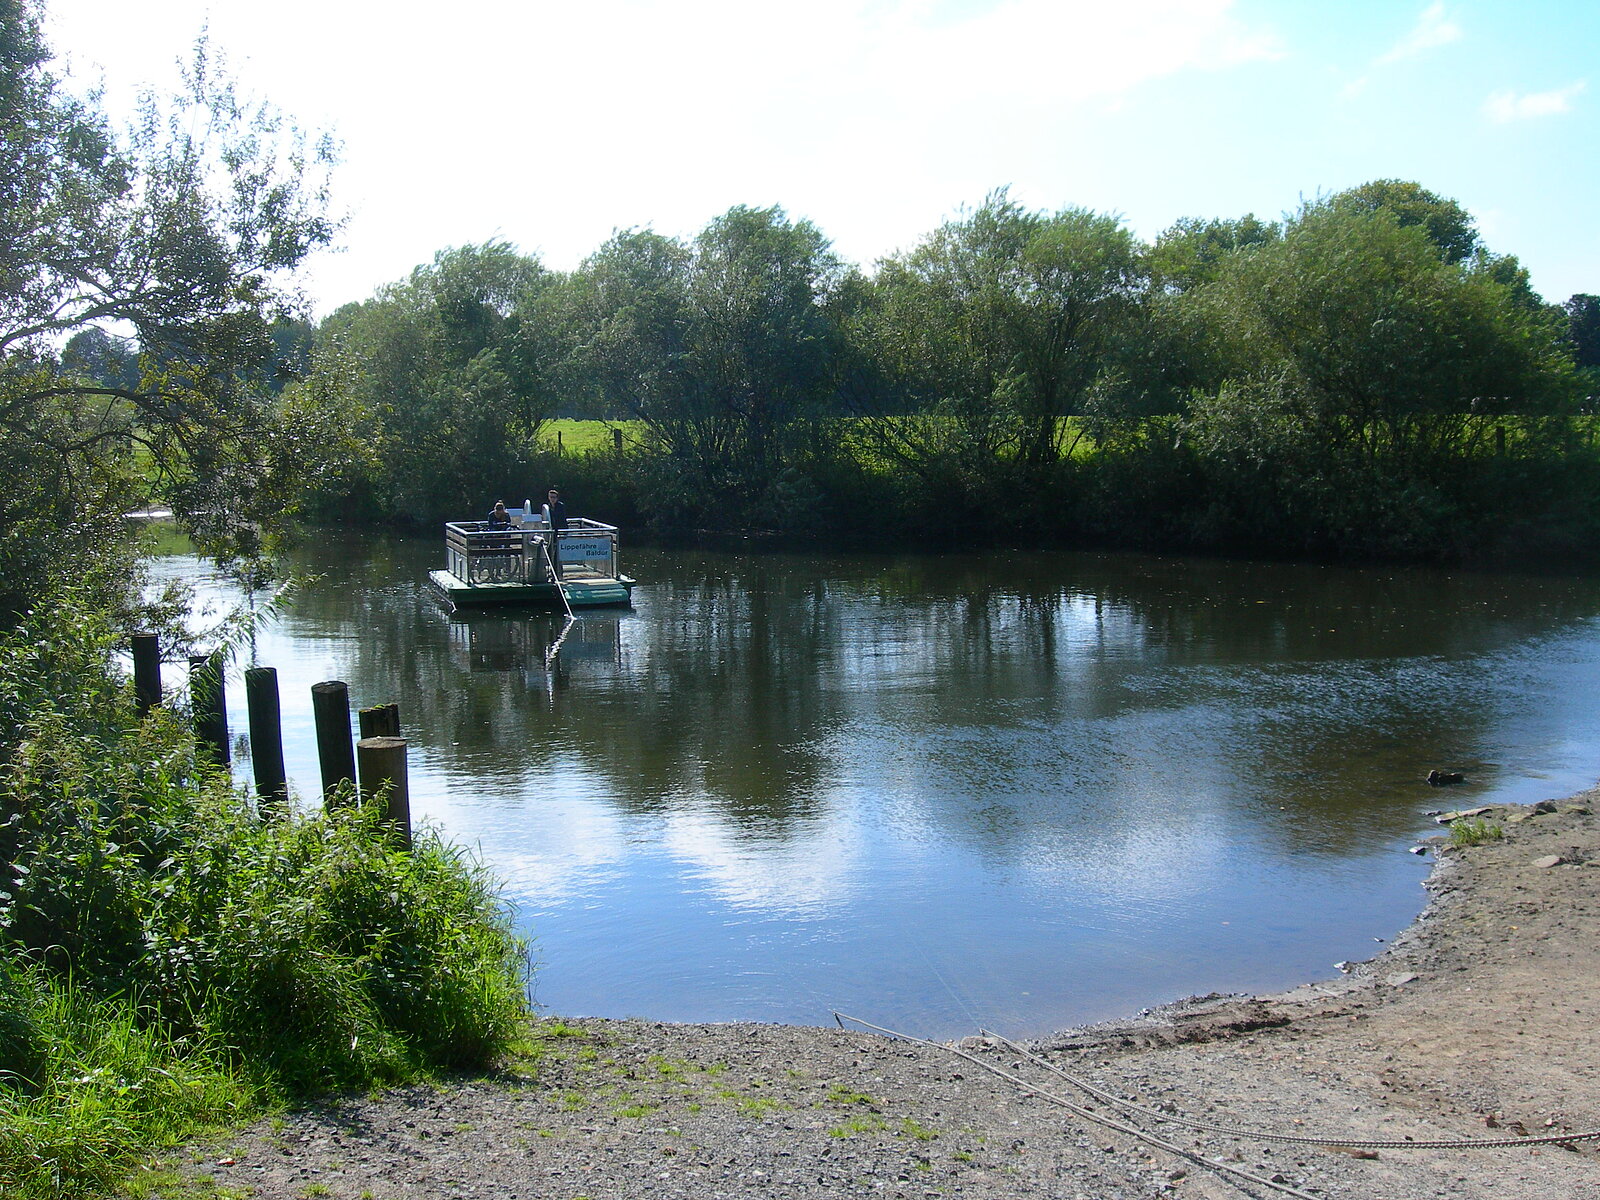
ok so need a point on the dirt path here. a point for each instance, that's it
(1481, 1021)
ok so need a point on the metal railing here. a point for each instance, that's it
(476, 554)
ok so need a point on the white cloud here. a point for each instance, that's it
(1506, 106)
(1434, 28)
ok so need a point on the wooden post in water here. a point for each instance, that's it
(381, 720)
(266, 737)
(146, 671)
(330, 707)
(210, 704)
(383, 772)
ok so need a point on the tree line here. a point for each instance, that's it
(1363, 377)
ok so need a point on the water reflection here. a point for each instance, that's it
(1021, 790)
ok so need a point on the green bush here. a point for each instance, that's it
(315, 949)
(378, 961)
(156, 933)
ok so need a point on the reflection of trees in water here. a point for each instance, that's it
(731, 705)
(1010, 695)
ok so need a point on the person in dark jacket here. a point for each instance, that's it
(555, 516)
(499, 518)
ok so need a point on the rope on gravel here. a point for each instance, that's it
(1128, 1106)
(1299, 1139)
(1078, 1110)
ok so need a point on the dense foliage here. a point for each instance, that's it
(1363, 378)
(155, 931)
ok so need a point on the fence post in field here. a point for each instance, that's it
(383, 772)
(146, 671)
(266, 736)
(207, 697)
(330, 707)
(616, 440)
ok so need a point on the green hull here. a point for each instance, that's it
(580, 593)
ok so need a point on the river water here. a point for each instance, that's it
(1020, 791)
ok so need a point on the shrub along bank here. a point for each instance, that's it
(170, 960)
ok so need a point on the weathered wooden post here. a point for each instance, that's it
(383, 772)
(380, 720)
(616, 440)
(558, 443)
(330, 707)
(146, 671)
(266, 735)
(207, 697)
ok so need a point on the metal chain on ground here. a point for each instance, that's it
(1079, 1111)
(1299, 1139)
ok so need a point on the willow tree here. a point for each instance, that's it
(1371, 376)
(722, 348)
(1000, 325)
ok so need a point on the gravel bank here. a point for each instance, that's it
(1481, 1021)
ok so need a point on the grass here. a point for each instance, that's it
(1474, 831)
(106, 1092)
(586, 437)
(580, 437)
(867, 1124)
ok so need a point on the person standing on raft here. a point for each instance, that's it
(555, 518)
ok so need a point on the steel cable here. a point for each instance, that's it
(1086, 1114)
(1299, 1139)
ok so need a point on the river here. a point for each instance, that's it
(1020, 791)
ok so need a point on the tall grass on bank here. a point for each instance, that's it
(92, 1088)
(168, 958)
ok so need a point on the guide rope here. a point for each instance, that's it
(1083, 1113)
(1299, 1139)
(1129, 1107)
(561, 590)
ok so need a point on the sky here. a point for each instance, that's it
(550, 126)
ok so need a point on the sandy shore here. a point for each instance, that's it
(1482, 1021)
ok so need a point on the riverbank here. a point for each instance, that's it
(1482, 1021)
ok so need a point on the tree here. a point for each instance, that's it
(1583, 329)
(722, 349)
(1006, 321)
(761, 344)
(177, 236)
(1449, 227)
(450, 392)
(622, 318)
(1366, 374)
(1193, 251)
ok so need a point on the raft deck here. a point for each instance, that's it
(489, 567)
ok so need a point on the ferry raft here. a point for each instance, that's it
(531, 565)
